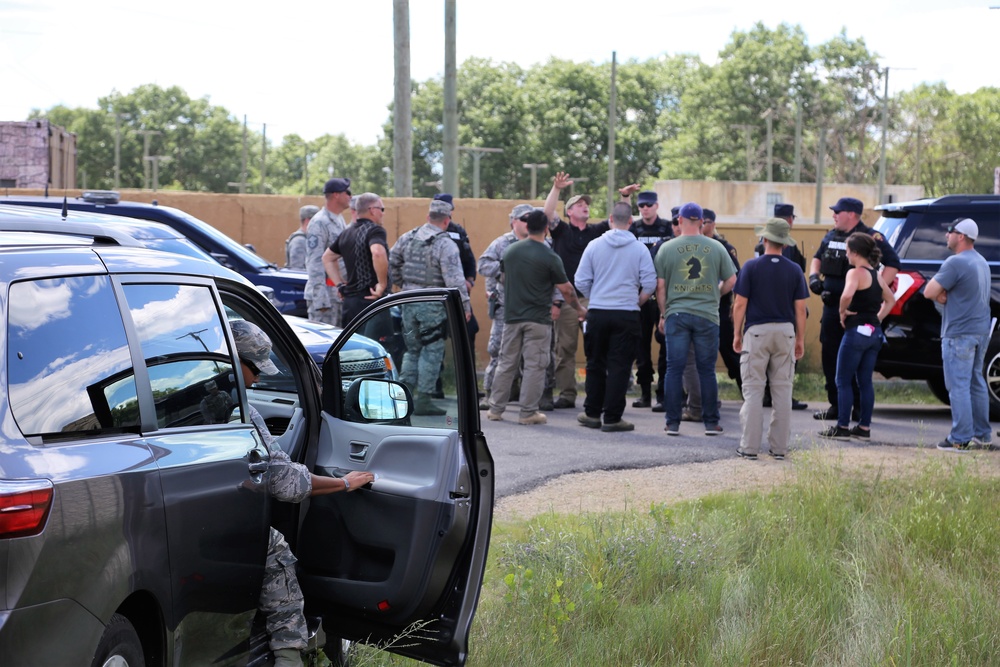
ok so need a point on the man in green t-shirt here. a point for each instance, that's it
(693, 272)
(531, 270)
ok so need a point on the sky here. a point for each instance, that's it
(311, 68)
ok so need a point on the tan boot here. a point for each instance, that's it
(287, 657)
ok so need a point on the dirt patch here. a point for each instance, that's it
(619, 490)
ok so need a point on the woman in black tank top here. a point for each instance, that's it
(864, 304)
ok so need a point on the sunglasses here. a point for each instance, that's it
(646, 204)
(381, 208)
(251, 365)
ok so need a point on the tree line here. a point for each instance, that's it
(768, 105)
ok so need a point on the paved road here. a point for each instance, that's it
(527, 456)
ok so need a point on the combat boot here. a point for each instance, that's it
(425, 407)
(645, 400)
(287, 657)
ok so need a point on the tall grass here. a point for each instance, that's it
(835, 568)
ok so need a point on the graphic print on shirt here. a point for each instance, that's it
(694, 268)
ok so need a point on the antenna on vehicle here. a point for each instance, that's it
(46, 189)
(65, 208)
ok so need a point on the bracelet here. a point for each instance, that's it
(347, 485)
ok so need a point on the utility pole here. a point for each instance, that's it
(534, 167)
(402, 130)
(770, 154)
(820, 168)
(450, 174)
(146, 134)
(477, 154)
(156, 160)
(612, 114)
(118, 149)
(263, 158)
(746, 131)
(797, 174)
(243, 173)
(885, 133)
(305, 168)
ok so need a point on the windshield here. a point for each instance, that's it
(231, 246)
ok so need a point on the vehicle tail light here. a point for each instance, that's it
(907, 284)
(24, 507)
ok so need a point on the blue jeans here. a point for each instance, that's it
(681, 331)
(856, 359)
(963, 375)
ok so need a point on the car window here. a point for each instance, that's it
(183, 342)
(928, 241)
(68, 364)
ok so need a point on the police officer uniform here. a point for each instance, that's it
(650, 235)
(829, 285)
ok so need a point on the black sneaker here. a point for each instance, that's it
(861, 434)
(777, 457)
(950, 446)
(798, 405)
(746, 455)
(826, 415)
(836, 432)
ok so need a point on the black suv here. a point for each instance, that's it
(133, 523)
(916, 230)
(288, 284)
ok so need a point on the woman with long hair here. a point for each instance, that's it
(864, 304)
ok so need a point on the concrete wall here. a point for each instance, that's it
(736, 201)
(267, 220)
(35, 153)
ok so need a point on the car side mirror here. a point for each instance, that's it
(374, 400)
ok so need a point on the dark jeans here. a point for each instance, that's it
(856, 362)
(682, 331)
(830, 334)
(649, 318)
(729, 356)
(353, 305)
(609, 343)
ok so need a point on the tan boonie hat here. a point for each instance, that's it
(775, 229)
(573, 200)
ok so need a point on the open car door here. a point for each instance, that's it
(405, 556)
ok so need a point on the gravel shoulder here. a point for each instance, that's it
(621, 490)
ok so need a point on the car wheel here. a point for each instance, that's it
(119, 645)
(938, 388)
(991, 369)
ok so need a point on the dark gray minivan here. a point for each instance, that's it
(133, 529)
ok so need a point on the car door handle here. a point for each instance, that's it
(257, 463)
(359, 451)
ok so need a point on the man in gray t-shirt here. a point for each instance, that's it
(962, 286)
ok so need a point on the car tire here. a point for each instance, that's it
(938, 388)
(991, 370)
(338, 651)
(119, 645)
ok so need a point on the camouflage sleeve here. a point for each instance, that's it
(489, 261)
(287, 481)
(317, 241)
(297, 252)
(451, 268)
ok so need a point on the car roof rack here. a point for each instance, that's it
(100, 234)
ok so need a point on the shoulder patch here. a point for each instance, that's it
(878, 236)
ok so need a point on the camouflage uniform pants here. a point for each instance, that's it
(493, 348)
(325, 305)
(281, 597)
(424, 333)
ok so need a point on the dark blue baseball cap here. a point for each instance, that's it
(691, 211)
(674, 210)
(445, 197)
(848, 204)
(337, 185)
(708, 214)
(647, 197)
(784, 211)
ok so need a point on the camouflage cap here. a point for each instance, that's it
(520, 210)
(307, 212)
(439, 207)
(253, 345)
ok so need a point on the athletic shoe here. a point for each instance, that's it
(620, 425)
(798, 405)
(533, 418)
(950, 446)
(836, 432)
(746, 455)
(826, 415)
(714, 430)
(982, 443)
(777, 457)
(589, 422)
(861, 434)
(673, 429)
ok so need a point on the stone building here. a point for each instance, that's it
(36, 154)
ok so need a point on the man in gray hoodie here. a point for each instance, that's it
(616, 273)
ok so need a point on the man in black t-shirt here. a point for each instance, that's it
(365, 250)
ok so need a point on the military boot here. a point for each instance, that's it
(424, 406)
(645, 400)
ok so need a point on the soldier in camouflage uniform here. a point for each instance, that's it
(280, 596)
(426, 257)
(322, 299)
(297, 244)
(215, 407)
(489, 267)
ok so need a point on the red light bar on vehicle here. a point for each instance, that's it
(907, 284)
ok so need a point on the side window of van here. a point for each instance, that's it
(184, 344)
(68, 362)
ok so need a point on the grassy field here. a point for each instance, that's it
(833, 569)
